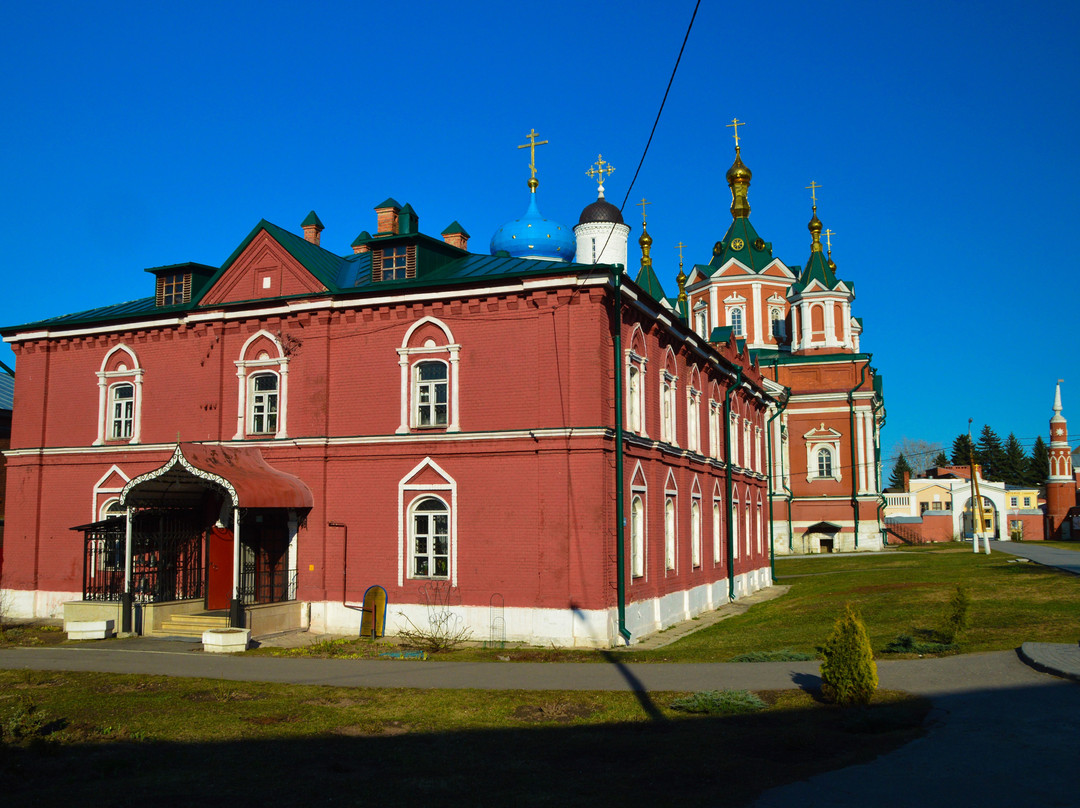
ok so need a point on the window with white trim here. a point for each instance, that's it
(776, 318)
(431, 394)
(695, 533)
(735, 320)
(633, 399)
(262, 374)
(716, 536)
(824, 462)
(121, 410)
(715, 428)
(669, 532)
(637, 537)
(749, 532)
(703, 323)
(262, 404)
(735, 526)
(693, 419)
(667, 409)
(760, 526)
(119, 397)
(429, 539)
(429, 363)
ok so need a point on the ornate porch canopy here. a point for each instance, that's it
(239, 470)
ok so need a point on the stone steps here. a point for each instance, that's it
(190, 625)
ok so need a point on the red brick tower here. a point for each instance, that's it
(1060, 486)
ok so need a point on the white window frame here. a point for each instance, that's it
(668, 405)
(635, 393)
(410, 492)
(408, 357)
(637, 535)
(734, 526)
(268, 400)
(718, 528)
(107, 381)
(695, 531)
(716, 412)
(736, 319)
(693, 419)
(822, 438)
(430, 555)
(431, 388)
(121, 424)
(245, 370)
(671, 526)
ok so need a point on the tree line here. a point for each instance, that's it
(1006, 462)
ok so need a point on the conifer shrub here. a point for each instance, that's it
(848, 671)
(956, 615)
(719, 702)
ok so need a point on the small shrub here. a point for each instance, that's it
(956, 614)
(848, 671)
(907, 644)
(783, 655)
(25, 725)
(719, 702)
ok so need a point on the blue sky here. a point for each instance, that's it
(140, 134)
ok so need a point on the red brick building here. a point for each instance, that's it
(278, 435)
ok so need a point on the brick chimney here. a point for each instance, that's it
(386, 216)
(456, 236)
(907, 482)
(360, 244)
(312, 228)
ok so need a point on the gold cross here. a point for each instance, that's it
(531, 146)
(679, 247)
(737, 123)
(813, 186)
(597, 170)
(828, 241)
(642, 205)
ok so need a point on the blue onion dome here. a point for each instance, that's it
(533, 236)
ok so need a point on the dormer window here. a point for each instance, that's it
(173, 289)
(394, 263)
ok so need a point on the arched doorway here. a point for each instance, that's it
(991, 519)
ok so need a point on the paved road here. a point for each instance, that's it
(1068, 560)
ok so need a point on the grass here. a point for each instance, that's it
(900, 592)
(131, 740)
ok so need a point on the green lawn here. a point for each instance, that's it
(107, 739)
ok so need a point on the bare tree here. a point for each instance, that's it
(919, 454)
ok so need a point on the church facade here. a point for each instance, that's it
(534, 449)
(824, 429)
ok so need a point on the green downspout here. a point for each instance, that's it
(854, 465)
(877, 473)
(620, 514)
(769, 479)
(727, 460)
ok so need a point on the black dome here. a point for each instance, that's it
(600, 211)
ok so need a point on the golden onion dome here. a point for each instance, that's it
(738, 171)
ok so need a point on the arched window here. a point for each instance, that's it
(429, 539)
(637, 537)
(263, 404)
(633, 405)
(776, 317)
(734, 527)
(669, 533)
(824, 463)
(695, 534)
(431, 393)
(716, 537)
(121, 411)
(703, 323)
(735, 316)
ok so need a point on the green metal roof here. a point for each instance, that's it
(648, 281)
(312, 219)
(742, 243)
(389, 203)
(453, 229)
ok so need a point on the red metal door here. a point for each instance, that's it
(219, 574)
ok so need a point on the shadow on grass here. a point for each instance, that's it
(680, 761)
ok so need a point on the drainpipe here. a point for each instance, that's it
(620, 514)
(345, 560)
(877, 475)
(727, 460)
(854, 465)
(769, 477)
